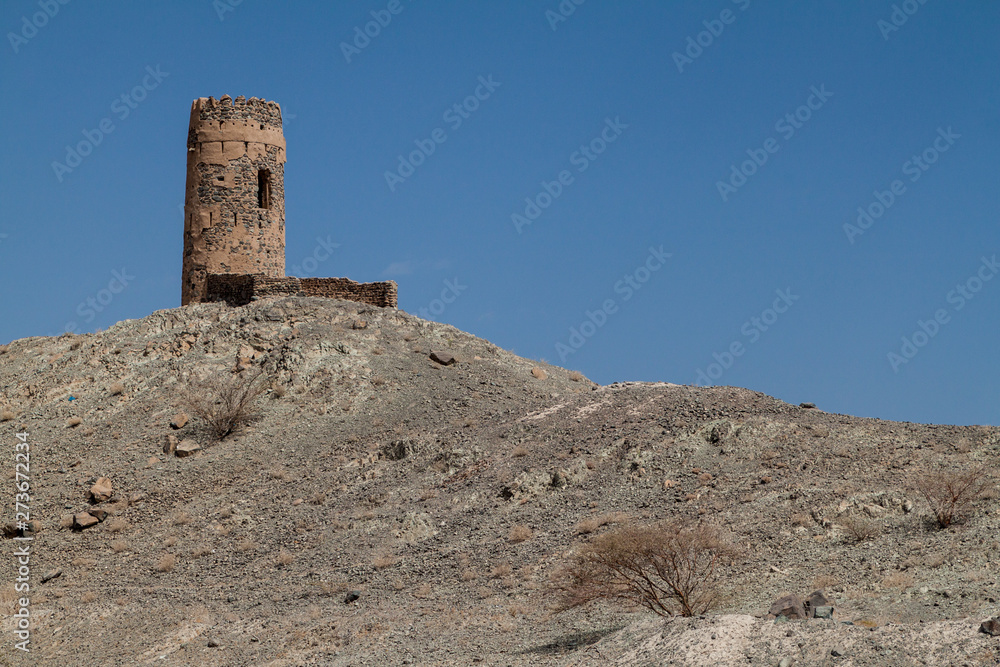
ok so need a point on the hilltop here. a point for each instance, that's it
(386, 508)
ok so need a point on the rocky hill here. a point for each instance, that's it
(386, 508)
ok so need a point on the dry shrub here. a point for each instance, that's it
(278, 391)
(952, 493)
(575, 376)
(119, 546)
(181, 518)
(520, 451)
(284, 558)
(860, 529)
(170, 541)
(668, 568)
(468, 575)
(88, 597)
(166, 563)
(318, 498)
(519, 534)
(593, 523)
(246, 544)
(116, 389)
(225, 403)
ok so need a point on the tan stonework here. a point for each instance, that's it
(234, 210)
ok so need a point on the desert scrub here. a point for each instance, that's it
(226, 403)
(952, 494)
(669, 568)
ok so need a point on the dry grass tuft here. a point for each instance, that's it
(7, 415)
(73, 422)
(593, 523)
(384, 561)
(519, 533)
(668, 568)
(520, 451)
(166, 563)
(201, 550)
(181, 519)
(900, 580)
(501, 571)
(116, 389)
(116, 525)
(576, 376)
(283, 558)
(88, 597)
(860, 529)
(119, 546)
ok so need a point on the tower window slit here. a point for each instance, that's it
(263, 189)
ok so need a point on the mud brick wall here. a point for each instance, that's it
(234, 205)
(239, 290)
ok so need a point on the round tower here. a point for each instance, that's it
(234, 205)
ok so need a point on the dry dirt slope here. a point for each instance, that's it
(376, 470)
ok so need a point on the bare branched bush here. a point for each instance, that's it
(226, 403)
(952, 493)
(670, 568)
(860, 529)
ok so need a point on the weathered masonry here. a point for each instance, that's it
(234, 211)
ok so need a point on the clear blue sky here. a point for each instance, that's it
(682, 92)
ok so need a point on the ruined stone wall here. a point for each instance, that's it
(239, 290)
(234, 206)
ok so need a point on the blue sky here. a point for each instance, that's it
(693, 165)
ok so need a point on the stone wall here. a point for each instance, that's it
(234, 206)
(241, 289)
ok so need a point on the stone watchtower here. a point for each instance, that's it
(234, 206)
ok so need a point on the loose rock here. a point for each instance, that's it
(170, 444)
(186, 448)
(100, 491)
(180, 420)
(442, 358)
(991, 627)
(788, 606)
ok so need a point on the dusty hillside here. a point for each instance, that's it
(442, 498)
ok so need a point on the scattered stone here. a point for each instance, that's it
(186, 448)
(539, 373)
(180, 420)
(815, 599)
(352, 596)
(785, 662)
(991, 627)
(212, 643)
(359, 324)
(823, 611)
(50, 575)
(442, 358)
(100, 515)
(100, 491)
(788, 606)
(10, 530)
(836, 652)
(170, 444)
(807, 406)
(84, 520)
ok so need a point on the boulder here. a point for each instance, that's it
(100, 491)
(788, 606)
(170, 444)
(84, 520)
(815, 600)
(991, 627)
(179, 420)
(442, 358)
(186, 448)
